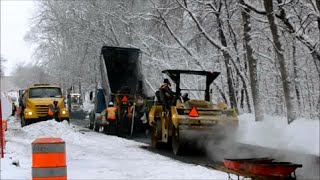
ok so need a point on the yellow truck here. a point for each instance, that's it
(34, 103)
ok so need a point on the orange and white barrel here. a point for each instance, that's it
(3, 139)
(4, 125)
(49, 159)
(2, 135)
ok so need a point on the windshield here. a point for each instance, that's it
(194, 85)
(45, 92)
(75, 98)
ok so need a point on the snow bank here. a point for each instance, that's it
(301, 136)
(93, 155)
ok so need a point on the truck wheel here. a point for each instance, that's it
(177, 147)
(23, 121)
(96, 128)
(91, 120)
(90, 126)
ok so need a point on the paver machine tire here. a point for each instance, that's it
(155, 133)
(176, 143)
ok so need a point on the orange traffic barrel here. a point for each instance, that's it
(4, 125)
(2, 134)
(2, 138)
(49, 159)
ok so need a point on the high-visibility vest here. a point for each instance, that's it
(111, 113)
(51, 110)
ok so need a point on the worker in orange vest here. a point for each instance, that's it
(111, 116)
(54, 110)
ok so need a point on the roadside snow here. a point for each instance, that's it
(93, 155)
(301, 136)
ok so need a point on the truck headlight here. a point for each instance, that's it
(30, 113)
(64, 112)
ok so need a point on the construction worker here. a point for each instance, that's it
(54, 110)
(166, 94)
(111, 116)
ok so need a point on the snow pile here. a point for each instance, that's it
(301, 136)
(93, 155)
(50, 128)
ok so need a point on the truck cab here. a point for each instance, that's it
(35, 103)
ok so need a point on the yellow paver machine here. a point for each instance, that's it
(189, 121)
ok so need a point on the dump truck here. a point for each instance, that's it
(122, 84)
(35, 100)
(189, 121)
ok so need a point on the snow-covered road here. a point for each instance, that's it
(92, 155)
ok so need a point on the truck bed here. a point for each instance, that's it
(122, 68)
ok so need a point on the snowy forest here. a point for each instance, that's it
(268, 51)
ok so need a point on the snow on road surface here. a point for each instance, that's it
(93, 155)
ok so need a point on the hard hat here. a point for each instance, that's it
(110, 103)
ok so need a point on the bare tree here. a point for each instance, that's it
(291, 114)
(252, 61)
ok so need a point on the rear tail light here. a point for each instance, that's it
(193, 112)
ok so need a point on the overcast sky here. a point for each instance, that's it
(15, 15)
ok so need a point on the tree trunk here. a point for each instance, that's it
(244, 91)
(227, 58)
(291, 114)
(295, 71)
(252, 62)
(317, 65)
(318, 7)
